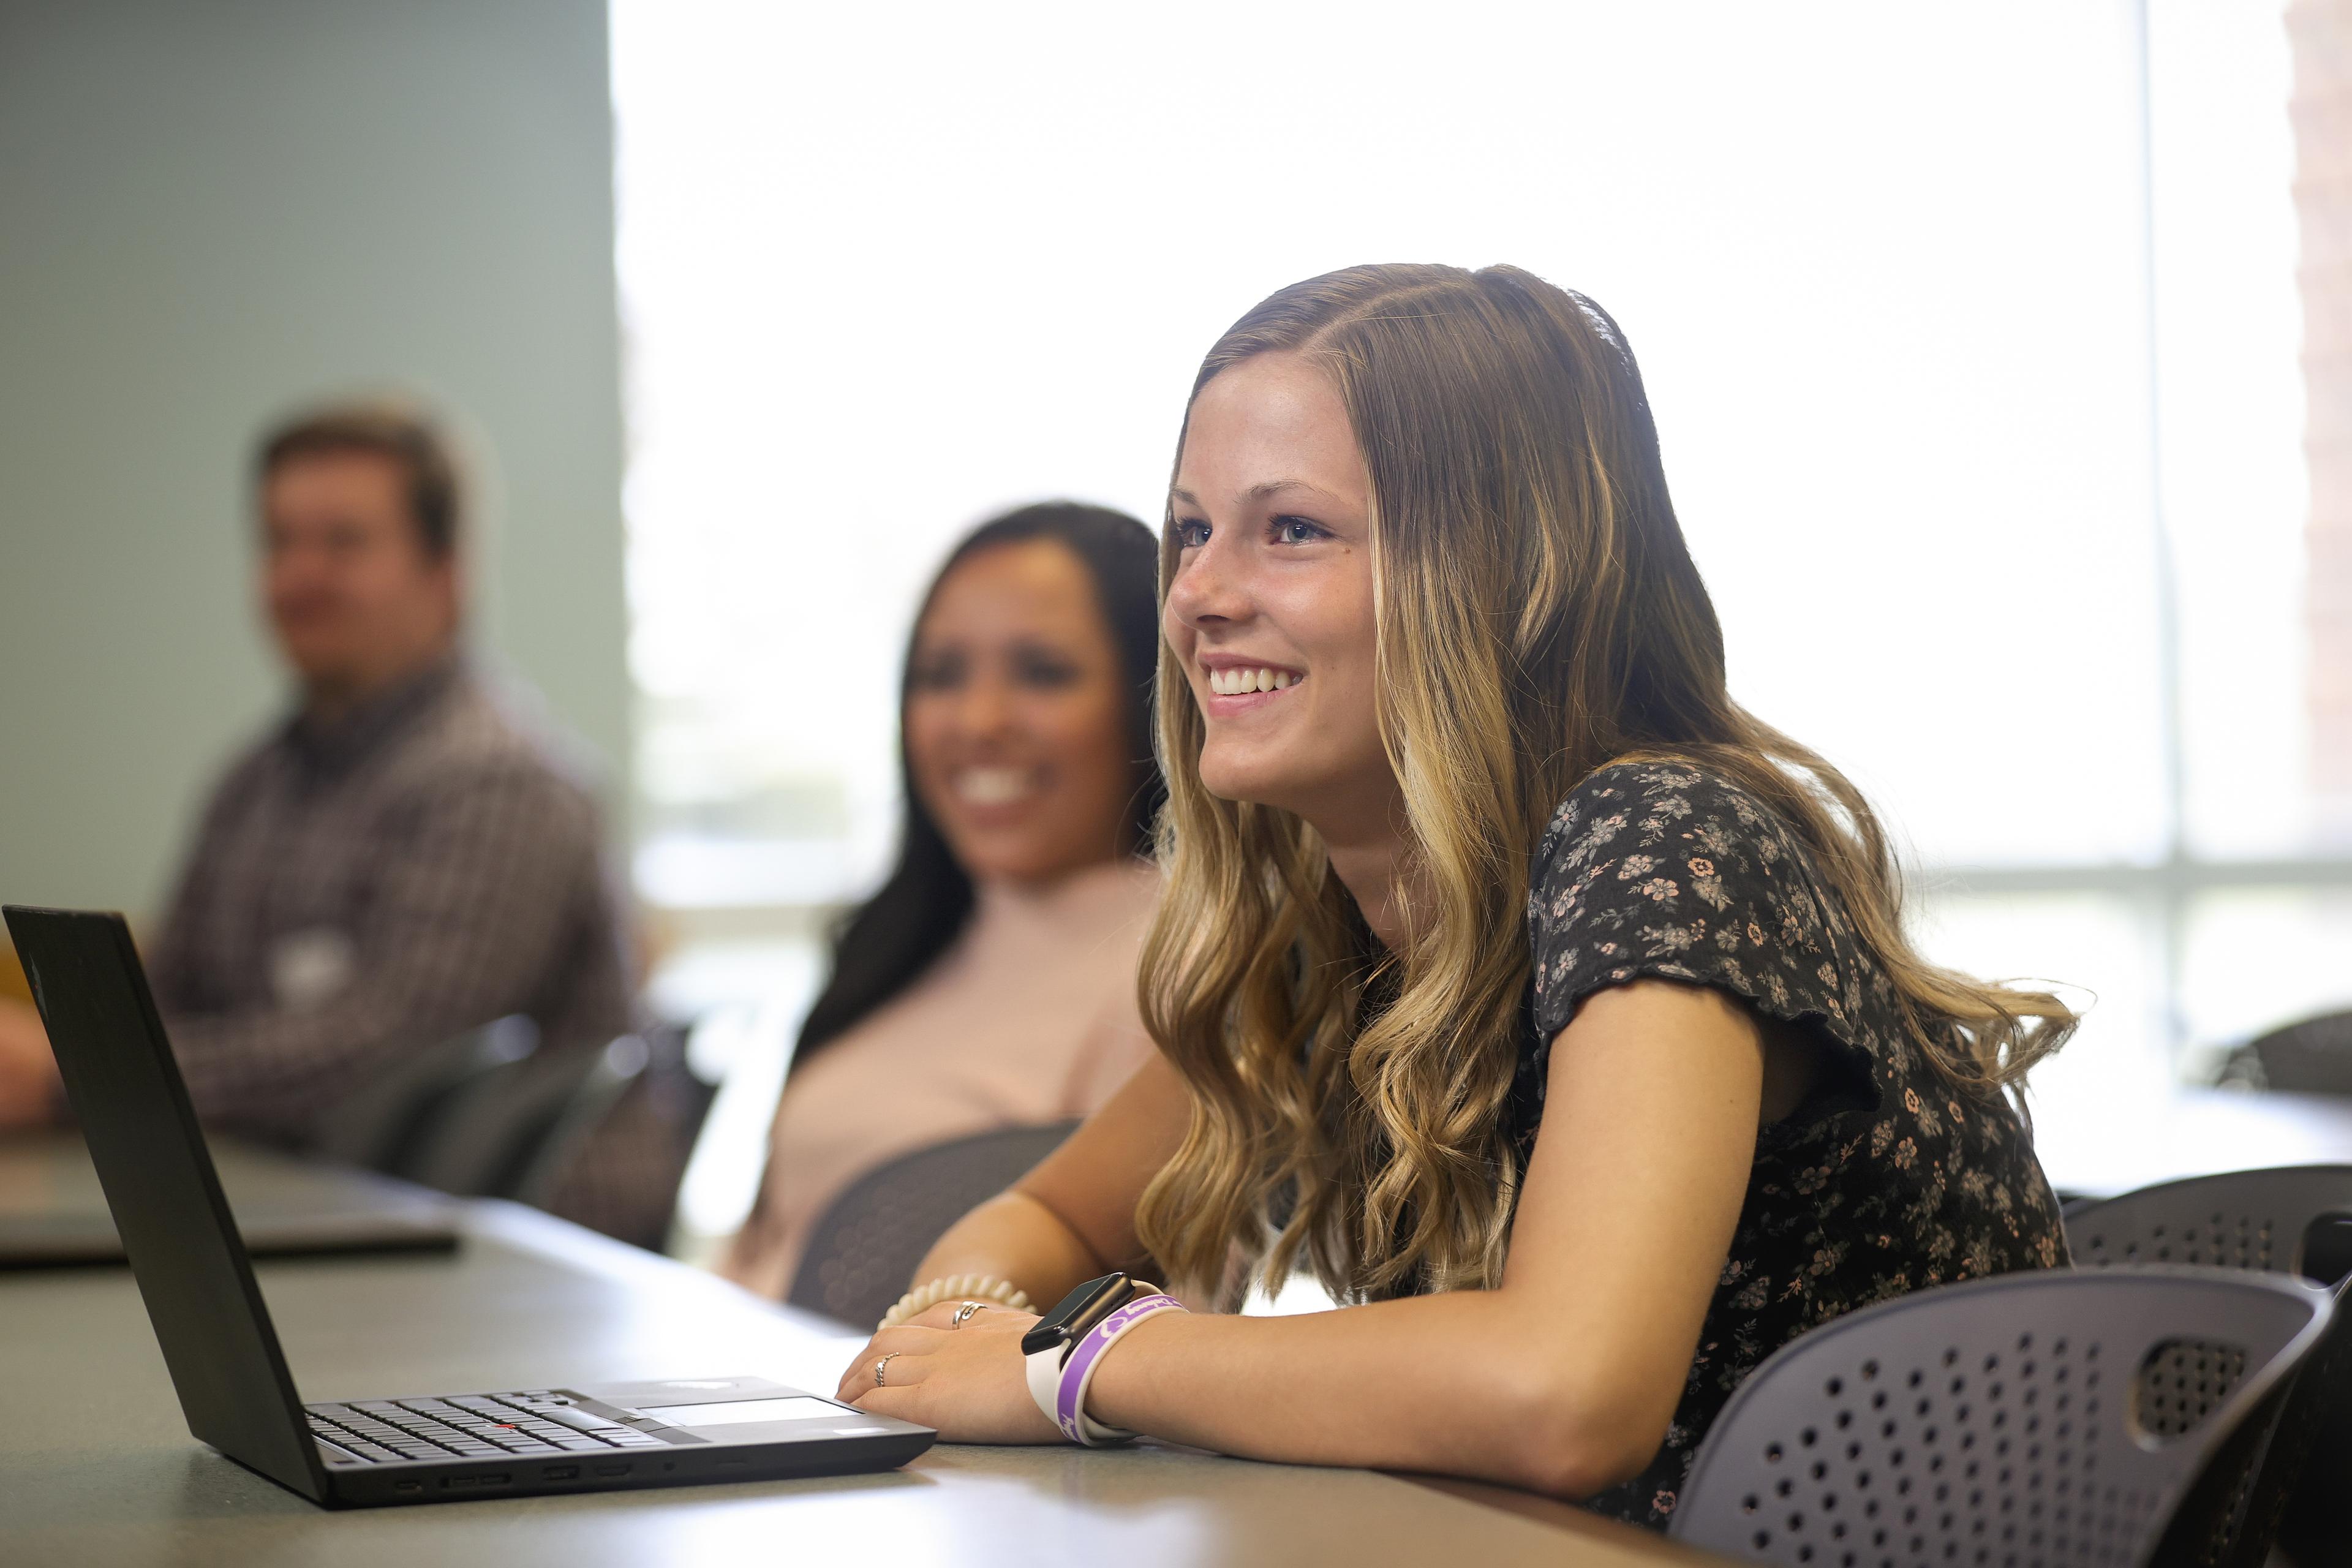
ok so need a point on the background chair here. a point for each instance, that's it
(866, 1248)
(380, 1125)
(490, 1114)
(2039, 1419)
(615, 1159)
(510, 1131)
(2292, 1220)
(2314, 1056)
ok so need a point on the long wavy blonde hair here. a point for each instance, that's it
(1537, 616)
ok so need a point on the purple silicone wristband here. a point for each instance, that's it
(1072, 1388)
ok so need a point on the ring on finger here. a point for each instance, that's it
(966, 1311)
(882, 1368)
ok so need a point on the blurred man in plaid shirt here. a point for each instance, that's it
(400, 861)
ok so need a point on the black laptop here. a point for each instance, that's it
(224, 1356)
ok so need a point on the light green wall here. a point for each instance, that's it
(207, 213)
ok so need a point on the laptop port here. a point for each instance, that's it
(497, 1479)
(561, 1473)
(612, 1469)
(408, 1486)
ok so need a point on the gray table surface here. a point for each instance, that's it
(97, 1466)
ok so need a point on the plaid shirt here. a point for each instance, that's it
(362, 890)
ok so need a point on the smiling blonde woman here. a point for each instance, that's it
(1551, 1008)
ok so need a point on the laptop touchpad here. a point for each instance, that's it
(744, 1412)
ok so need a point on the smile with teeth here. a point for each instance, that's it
(1235, 682)
(993, 787)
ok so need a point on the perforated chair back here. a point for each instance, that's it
(2296, 1219)
(864, 1251)
(660, 1117)
(593, 1096)
(2047, 1419)
(2245, 1220)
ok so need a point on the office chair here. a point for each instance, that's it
(490, 1114)
(865, 1249)
(380, 1125)
(617, 1156)
(2057, 1419)
(2292, 1220)
(678, 1098)
(510, 1129)
(2311, 1057)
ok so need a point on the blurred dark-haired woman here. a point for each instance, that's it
(990, 982)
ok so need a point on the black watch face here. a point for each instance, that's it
(1076, 1312)
(1042, 1337)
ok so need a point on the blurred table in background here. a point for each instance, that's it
(97, 1466)
(2136, 1141)
(53, 1211)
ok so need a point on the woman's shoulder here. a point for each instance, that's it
(1637, 803)
(1676, 870)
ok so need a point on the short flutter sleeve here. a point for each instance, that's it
(1669, 870)
(1886, 1177)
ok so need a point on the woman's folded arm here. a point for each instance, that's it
(1563, 1379)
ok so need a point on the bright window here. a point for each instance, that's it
(887, 269)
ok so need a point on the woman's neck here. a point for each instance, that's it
(1067, 883)
(1373, 866)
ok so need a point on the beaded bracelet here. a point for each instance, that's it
(954, 1286)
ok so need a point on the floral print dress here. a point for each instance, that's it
(1887, 1179)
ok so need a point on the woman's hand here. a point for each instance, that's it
(969, 1383)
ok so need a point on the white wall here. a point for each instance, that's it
(208, 213)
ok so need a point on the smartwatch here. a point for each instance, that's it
(1079, 1310)
(1050, 1340)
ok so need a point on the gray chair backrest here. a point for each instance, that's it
(2296, 1219)
(636, 1140)
(2312, 1056)
(379, 1125)
(2046, 1418)
(2241, 1219)
(487, 1113)
(864, 1251)
(506, 1131)
(593, 1097)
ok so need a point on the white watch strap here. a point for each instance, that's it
(1043, 1371)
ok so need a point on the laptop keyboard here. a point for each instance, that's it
(464, 1426)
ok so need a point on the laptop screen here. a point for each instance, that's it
(175, 1225)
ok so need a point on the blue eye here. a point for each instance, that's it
(1296, 531)
(1190, 534)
